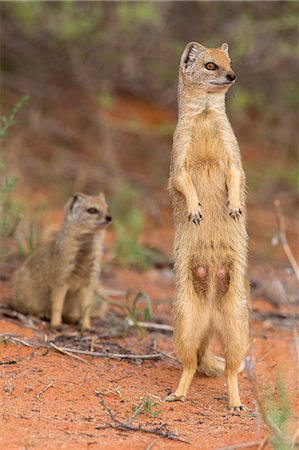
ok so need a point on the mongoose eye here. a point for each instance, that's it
(211, 66)
(93, 211)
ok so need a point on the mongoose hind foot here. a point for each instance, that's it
(175, 398)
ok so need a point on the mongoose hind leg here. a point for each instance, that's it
(234, 336)
(190, 321)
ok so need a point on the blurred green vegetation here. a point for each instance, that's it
(77, 59)
(7, 180)
(280, 412)
(128, 221)
(136, 45)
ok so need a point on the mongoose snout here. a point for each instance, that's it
(231, 77)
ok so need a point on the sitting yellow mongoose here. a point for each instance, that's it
(57, 281)
(207, 189)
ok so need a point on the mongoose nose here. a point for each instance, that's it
(231, 76)
(108, 218)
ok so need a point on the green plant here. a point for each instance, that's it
(131, 307)
(146, 406)
(9, 121)
(28, 242)
(128, 224)
(7, 181)
(279, 411)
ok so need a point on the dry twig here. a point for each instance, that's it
(283, 238)
(150, 446)
(237, 446)
(266, 419)
(40, 395)
(106, 354)
(8, 388)
(67, 352)
(263, 443)
(151, 326)
(118, 425)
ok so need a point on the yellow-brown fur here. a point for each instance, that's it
(207, 188)
(57, 281)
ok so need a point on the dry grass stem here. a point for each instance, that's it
(283, 238)
(150, 446)
(8, 384)
(151, 326)
(262, 410)
(118, 425)
(239, 446)
(40, 395)
(67, 352)
(106, 354)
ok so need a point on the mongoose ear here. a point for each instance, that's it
(101, 195)
(73, 201)
(224, 47)
(190, 54)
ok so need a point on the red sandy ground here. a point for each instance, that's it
(68, 414)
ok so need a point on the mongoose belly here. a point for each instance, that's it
(209, 252)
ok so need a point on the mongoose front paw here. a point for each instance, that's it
(195, 216)
(86, 328)
(175, 398)
(234, 212)
(56, 326)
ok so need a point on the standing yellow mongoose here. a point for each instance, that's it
(207, 189)
(58, 280)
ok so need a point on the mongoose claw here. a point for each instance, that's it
(235, 213)
(175, 398)
(238, 408)
(195, 217)
(56, 327)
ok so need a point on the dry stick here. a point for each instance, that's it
(283, 238)
(8, 388)
(151, 326)
(14, 340)
(263, 443)
(163, 353)
(67, 352)
(118, 425)
(267, 420)
(106, 355)
(110, 292)
(41, 393)
(237, 446)
(284, 242)
(150, 446)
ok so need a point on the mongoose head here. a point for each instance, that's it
(208, 68)
(88, 213)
